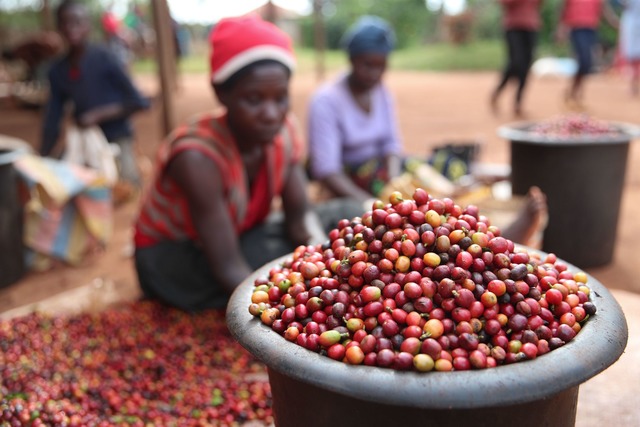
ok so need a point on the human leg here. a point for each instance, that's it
(583, 41)
(266, 242)
(177, 273)
(269, 241)
(507, 72)
(126, 162)
(523, 61)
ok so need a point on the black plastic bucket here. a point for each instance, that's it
(12, 266)
(583, 179)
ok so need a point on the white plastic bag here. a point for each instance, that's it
(88, 147)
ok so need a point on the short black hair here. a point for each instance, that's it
(66, 5)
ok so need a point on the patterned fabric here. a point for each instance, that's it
(371, 176)
(69, 212)
(165, 212)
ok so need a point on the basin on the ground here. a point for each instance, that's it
(313, 390)
(583, 178)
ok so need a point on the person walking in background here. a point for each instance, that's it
(142, 33)
(98, 86)
(116, 39)
(630, 42)
(579, 22)
(521, 22)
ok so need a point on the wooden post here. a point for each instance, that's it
(270, 13)
(319, 38)
(166, 58)
(47, 16)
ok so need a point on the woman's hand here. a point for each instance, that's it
(303, 225)
(342, 186)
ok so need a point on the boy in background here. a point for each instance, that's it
(99, 88)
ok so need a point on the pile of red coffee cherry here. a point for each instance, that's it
(422, 284)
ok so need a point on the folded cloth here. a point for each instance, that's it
(89, 147)
(69, 211)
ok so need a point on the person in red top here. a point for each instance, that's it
(521, 22)
(206, 221)
(579, 20)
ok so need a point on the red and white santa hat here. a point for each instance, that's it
(239, 41)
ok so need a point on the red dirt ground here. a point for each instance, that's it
(432, 108)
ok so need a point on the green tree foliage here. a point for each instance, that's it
(411, 20)
(415, 24)
(26, 17)
(23, 18)
(486, 18)
(550, 15)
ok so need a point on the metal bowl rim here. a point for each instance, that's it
(597, 346)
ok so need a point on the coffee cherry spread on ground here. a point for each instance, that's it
(570, 126)
(422, 284)
(141, 364)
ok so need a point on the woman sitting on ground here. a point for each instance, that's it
(354, 141)
(205, 224)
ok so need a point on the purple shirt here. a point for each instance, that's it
(341, 133)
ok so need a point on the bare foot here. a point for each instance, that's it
(528, 227)
(572, 102)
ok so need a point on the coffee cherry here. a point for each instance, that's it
(571, 126)
(423, 284)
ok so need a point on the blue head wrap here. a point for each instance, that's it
(370, 34)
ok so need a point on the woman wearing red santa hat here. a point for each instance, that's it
(207, 221)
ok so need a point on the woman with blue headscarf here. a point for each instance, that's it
(354, 144)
